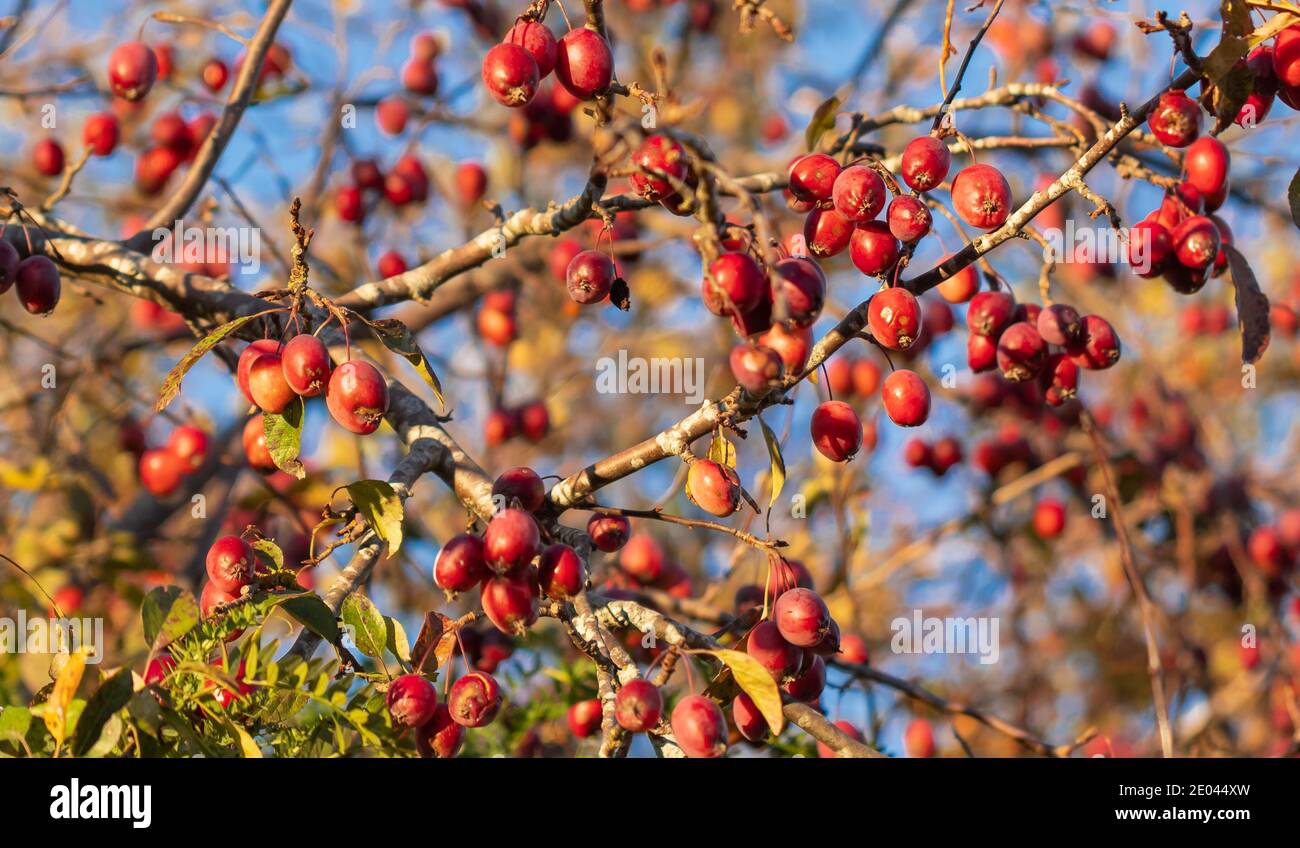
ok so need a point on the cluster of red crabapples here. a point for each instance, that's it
(513, 69)
(419, 78)
(161, 470)
(474, 701)
(35, 279)
(272, 375)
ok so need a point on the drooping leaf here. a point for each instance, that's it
(382, 509)
(1252, 307)
(172, 383)
(822, 120)
(284, 438)
(56, 715)
(366, 624)
(434, 644)
(168, 612)
(778, 463)
(398, 338)
(721, 450)
(111, 696)
(247, 747)
(397, 644)
(757, 683)
(312, 613)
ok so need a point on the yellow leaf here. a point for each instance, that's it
(778, 463)
(721, 450)
(65, 687)
(29, 479)
(758, 684)
(247, 746)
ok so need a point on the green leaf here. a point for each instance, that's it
(1293, 198)
(14, 724)
(397, 644)
(398, 338)
(778, 463)
(168, 613)
(172, 384)
(382, 509)
(112, 695)
(1234, 42)
(757, 683)
(1252, 307)
(271, 551)
(822, 120)
(284, 438)
(369, 631)
(311, 611)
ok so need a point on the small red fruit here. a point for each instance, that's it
(642, 558)
(37, 283)
(560, 572)
(836, 430)
(160, 472)
(858, 193)
(255, 447)
(802, 617)
(101, 133)
(638, 706)
(909, 218)
(808, 686)
(471, 183)
(736, 278)
(1059, 380)
(791, 345)
(584, 64)
(132, 70)
(981, 353)
(782, 660)
(826, 232)
(801, 290)
(510, 602)
(511, 541)
(1206, 165)
(873, 248)
(475, 700)
(246, 359)
(1022, 353)
(590, 276)
(460, 565)
(510, 74)
(537, 38)
(230, 563)
(1099, 348)
(439, 737)
(306, 364)
(214, 75)
(1176, 119)
(713, 487)
(584, 718)
(699, 727)
(981, 196)
(812, 179)
(960, 287)
(608, 532)
(906, 398)
(411, 700)
(756, 368)
(189, 444)
(47, 157)
(657, 159)
(925, 163)
(357, 397)
(1196, 242)
(158, 669)
(990, 313)
(918, 739)
(519, 486)
(749, 721)
(894, 317)
(1286, 56)
(1049, 518)
(267, 384)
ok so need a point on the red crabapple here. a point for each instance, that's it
(37, 284)
(836, 430)
(699, 727)
(812, 178)
(440, 736)
(802, 617)
(608, 532)
(230, 563)
(737, 278)
(894, 317)
(909, 219)
(132, 70)
(749, 721)
(981, 196)
(511, 541)
(858, 193)
(1176, 119)
(642, 558)
(1022, 353)
(521, 485)
(357, 397)
(873, 248)
(189, 444)
(510, 602)
(537, 38)
(659, 161)
(1049, 518)
(584, 64)
(267, 384)
(907, 398)
(713, 487)
(801, 289)
(1099, 347)
(560, 572)
(510, 74)
(590, 276)
(925, 163)
(584, 718)
(160, 472)
(306, 365)
(474, 700)
(460, 565)
(990, 313)
(756, 368)
(638, 706)
(771, 650)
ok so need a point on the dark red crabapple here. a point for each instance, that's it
(584, 718)
(189, 444)
(826, 752)
(657, 159)
(608, 532)
(1022, 353)
(170, 130)
(255, 448)
(713, 487)
(808, 686)
(474, 700)
(699, 727)
(894, 317)
(836, 430)
(9, 261)
(584, 64)
(47, 157)
(990, 313)
(1099, 348)
(873, 248)
(981, 353)
(560, 572)
(357, 397)
(460, 565)
(770, 649)
(440, 736)
(826, 232)
(906, 398)
(496, 318)
(909, 218)
(350, 204)
(638, 706)
(160, 472)
(1059, 324)
(812, 178)
(212, 597)
(132, 70)
(1185, 280)
(537, 38)
(510, 74)
(736, 278)
(158, 669)
(306, 364)
(916, 453)
(590, 276)
(791, 345)
(1205, 165)
(749, 322)
(749, 721)
(522, 485)
(534, 421)
(510, 602)
(802, 617)
(1176, 119)
(267, 384)
(1260, 100)
(420, 78)
(230, 563)
(390, 264)
(925, 163)
(37, 282)
(1049, 518)
(802, 290)
(154, 167)
(756, 368)
(642, 558)
(1196, 242)
(858, 194)
(511, 541)
(1149, 247)
(981, 196)
(1059, 380)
